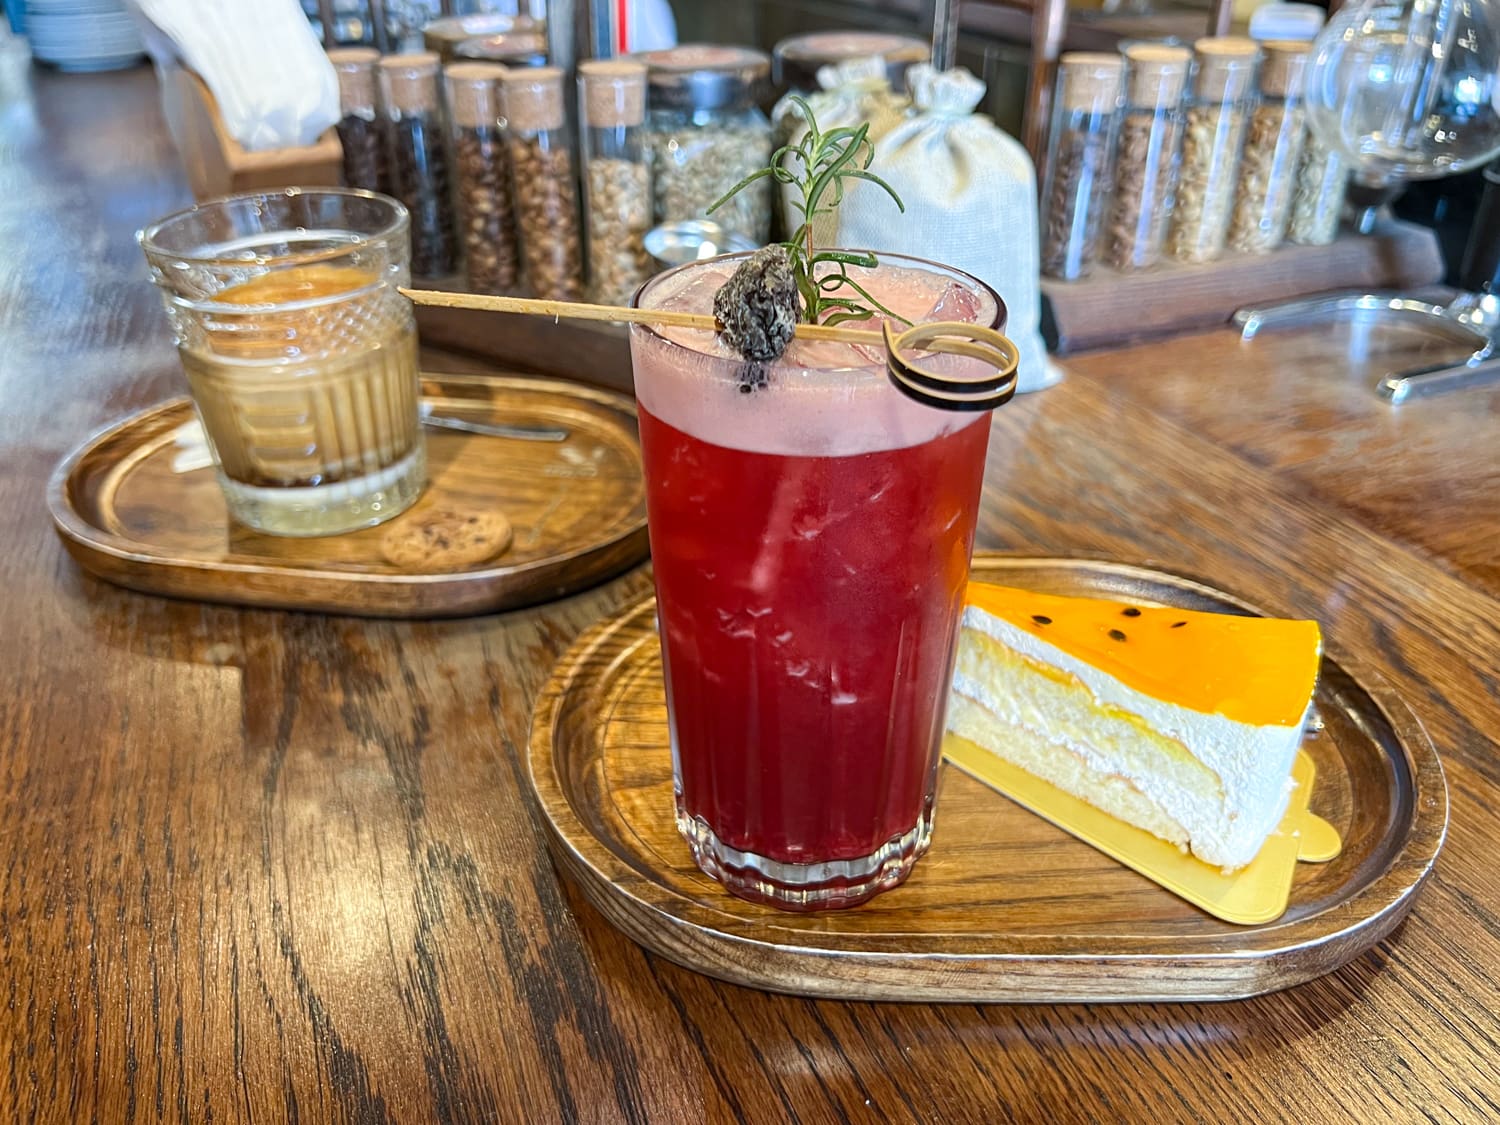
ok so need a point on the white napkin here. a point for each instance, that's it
(274, 85)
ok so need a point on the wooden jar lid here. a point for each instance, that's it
(614, 92)
(1157, 74)
(1089, 80)
(474, 93)
(533, 98)
(409, 82)
(1285, 68)
(1226, 67)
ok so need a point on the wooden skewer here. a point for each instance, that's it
(575, 310)
(932, 389)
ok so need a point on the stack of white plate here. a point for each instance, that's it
(82, 35)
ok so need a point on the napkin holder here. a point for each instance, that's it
(216, 164)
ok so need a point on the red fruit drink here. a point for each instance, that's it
(811, 540)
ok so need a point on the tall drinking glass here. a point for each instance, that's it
(300, 353)
(811, 530)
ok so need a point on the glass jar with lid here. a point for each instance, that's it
(1085, 114)
(1318, 197)
(359, 127)
(1146, 157)
(418, 156)
(541, 167)
(796, 60)
(706, 134)
(1221, 102)
(1273, 147)
(481, 174)
(616, 177)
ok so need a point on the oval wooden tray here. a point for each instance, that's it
(1005, 907)
(576, 507)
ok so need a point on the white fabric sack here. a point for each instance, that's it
(854, 92)
(274, 86)
(970, 196)
(850, 91)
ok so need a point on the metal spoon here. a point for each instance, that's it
(491, 429)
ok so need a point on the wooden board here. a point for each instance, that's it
(576, 511)
(1108, 309)
(1005, 907)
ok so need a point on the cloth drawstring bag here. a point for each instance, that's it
(854, 91)
(970, 195)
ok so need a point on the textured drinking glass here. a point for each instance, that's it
(811, 529)
(300, 353)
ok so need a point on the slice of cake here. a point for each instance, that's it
(1185, 724)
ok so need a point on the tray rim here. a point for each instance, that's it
(90, 543)
(1018, 968)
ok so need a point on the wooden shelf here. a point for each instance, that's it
(1109, 309)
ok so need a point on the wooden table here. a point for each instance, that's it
(271, 866)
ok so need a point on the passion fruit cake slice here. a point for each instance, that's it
(1183, 723)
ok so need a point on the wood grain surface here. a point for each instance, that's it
(1006, 906)
(573, 512)
(269, 866)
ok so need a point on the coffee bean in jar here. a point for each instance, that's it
(1273, 147)
(616, 178)
(1318, 198)
(1085, 114)
(419, 160)
(482, 177)
(361, 135)
(1146, 157)
(541, 164)
(1222, 98)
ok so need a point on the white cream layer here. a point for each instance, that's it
(1253, 763)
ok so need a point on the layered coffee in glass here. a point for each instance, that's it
(300, 353)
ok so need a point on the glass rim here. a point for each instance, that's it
(1002, 313)
(147, 237)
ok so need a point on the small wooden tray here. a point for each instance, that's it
(577, 511)
(216, 164)
(1005, 907)
(1108, 309)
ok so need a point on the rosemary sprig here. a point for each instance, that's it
(818, 167)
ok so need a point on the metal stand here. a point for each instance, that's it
(1471, 318)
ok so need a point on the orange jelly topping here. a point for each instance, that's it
(1255, 670)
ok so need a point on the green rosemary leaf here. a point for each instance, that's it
(816, 171)
(863, 292)
(758, 174)
(836, 166)
(852, 257)
(845, 317)
(871, 177)
(808, 290)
